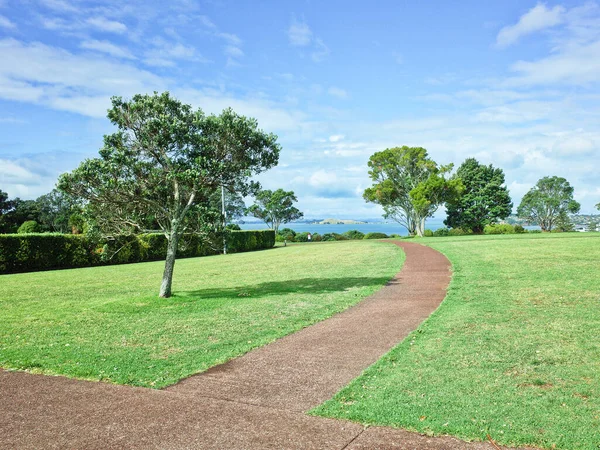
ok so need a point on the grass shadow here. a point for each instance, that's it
(298, 286)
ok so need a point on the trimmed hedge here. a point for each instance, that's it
(45, 251)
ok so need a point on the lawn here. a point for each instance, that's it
(513, 351)
(107, 323)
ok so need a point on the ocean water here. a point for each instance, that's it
(387, 228)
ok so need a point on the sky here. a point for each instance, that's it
(513, 83)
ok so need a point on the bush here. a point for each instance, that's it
(519, 229)
(333, 237)
(395, 236)
(31, 252)
(428, 233)
(354, 234)
(499, 228)
(534, 231)
(457, 232)
(316, 237)
(233, 227)
(302, 237)
(29, 226)
(376, 235)
(441, 232)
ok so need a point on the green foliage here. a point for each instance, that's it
(408, 185)
(354, 234)
(483, 200)
(376, 235)
(233, 227)
(592, 225)
(29, 226)
(519, 229)
(458, 232)
(551, 199)
(275, 207)
(441, 232)
(302, 237)
(334, 237)
(564, 224)
(57, 210)
(428, 233)
(32, 252)
(499, 228)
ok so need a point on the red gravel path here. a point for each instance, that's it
(255, 401)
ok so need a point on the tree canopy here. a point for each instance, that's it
(548, 201)
(484, 199)
(409, 186)
(162, 166)
(275, 207)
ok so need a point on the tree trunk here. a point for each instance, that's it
(420, 225)
(167, 280)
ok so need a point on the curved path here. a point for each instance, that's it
(255, 401)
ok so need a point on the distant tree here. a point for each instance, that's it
(29, 226)
(409, 186)
(162, 166)
(598, 206)
(275, 207)
(56, 208)
(564, 223)
(484, 200)
(592, 225)
(5, 206)
(19, 211)
(544, 204)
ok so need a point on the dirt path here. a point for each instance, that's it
(255, 401)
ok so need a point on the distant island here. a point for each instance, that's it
(338, 222)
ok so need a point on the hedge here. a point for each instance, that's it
(45, 251)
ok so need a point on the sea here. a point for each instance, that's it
(387, 228)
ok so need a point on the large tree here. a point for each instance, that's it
(549, 200)
(275, 207)
(162, 166)
(409, 186)
(484, 200)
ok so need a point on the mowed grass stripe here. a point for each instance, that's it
(513, 351)
(107, 323)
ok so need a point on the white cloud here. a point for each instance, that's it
(536, 19)
(336, 137)
(320, 52)
(7, 24)
(106, 25)
(337, 92)
(234, 52)
(108, 48)
(59, 5)
(37, 74)
(322, 178)
(299, 34)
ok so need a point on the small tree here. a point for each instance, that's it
(275, 208)
(544, 204)
(56, 208)
(484, 200)
(162, 166)
(29, 226)
(409, 186)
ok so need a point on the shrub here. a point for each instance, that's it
(333, 237)
(31, 252)
(233, 227)
(354, 234)
(457, 232)
(376, 235)
(499, 228)
(316, 237)
(29, 226)
(302, 237)
(441, 232)
(519, 229)
(395, 236)
(534, 231)
(428, 233)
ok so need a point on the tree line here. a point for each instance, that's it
(410, 187)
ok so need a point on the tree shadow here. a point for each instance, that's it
(299, 286)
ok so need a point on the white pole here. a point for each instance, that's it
(224, 220)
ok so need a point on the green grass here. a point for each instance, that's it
(107, 323)
(513, 351)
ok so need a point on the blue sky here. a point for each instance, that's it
(512, 83)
